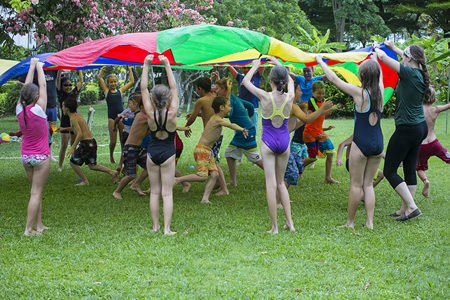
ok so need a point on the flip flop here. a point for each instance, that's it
(414, 214)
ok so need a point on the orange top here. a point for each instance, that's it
(314, 128)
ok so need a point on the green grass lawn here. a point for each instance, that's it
(98, 247)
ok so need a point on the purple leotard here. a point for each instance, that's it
(277, 139)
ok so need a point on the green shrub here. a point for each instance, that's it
(8, 105)
(89, 95)
(7, 87)
(3, 98)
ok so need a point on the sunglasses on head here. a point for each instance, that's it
(407, 53)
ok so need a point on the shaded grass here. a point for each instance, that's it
(98, 247)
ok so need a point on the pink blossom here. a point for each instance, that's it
(9, 29)
(35, 2)
(59, 38)
(48, 25)
(230, 23)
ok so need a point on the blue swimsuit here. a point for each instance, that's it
(368, 138)
(161, 150)
(277, 139)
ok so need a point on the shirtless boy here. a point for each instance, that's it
(84, 146)
(206, 164)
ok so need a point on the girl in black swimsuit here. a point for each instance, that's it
(161, 105)
(114, 102)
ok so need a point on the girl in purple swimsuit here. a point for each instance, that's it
(367, 146)
(276, 109)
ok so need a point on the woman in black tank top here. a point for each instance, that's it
(114, 102)
(161, 105)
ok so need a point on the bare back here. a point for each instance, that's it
(139, 129)
(206, 108)
(431, 114)
(212, 131)
(80, 127)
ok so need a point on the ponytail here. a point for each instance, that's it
(418, 55)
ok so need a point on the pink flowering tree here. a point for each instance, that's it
(58, 24)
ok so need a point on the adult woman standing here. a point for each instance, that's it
(367, 145)
(35, 151)
(64, 86)
(161, 107)
(276, 109)
(410, 125)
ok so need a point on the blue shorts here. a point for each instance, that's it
(325, 147)
(52, 115)
(295, 164)
(302, 149)
(216, 148)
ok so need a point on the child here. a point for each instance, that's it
(84, 146)
(206, 164)
(314, 135)
(114, 103)
(133, 154)
(430, 145)
(367, 145)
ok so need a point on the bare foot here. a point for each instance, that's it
(30, 232)
(273, 231)
(331, 181)
(41, 228)
(168, 232)
(155, 229)
(233, 184)
(117, 195)
(426, 189)
(137, 189)
(186, 187)
(348, 225)
(60, 169)
(111, 160)
(205, 202)
(82, 183)
(289, 228)
(369, 225)
(222, 193)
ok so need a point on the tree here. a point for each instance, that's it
(271, 17)
(58, 24)
(314, 43)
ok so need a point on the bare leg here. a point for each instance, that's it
(136, 185)
(39, 176)
(112, 139)
(280, 168)
(328, 167)
(167, 179)
(426, 183)
(209, 187)
(260, 164)
(114, 174)
(186, 185)
(357, 166)
(222, 182)
(83, 178)
(369, 194)
(123, 183)
(62, 152)
(232, 169)
(154, 173)
(271, 185)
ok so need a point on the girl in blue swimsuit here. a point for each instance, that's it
(114, 102)
(161, 106)
(276, 109)
(367, 146)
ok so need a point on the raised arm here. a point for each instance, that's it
(347, 88)
(144, 86)
(390, 62)
(194, 114)
(130, 82)
(80, 81)
(233, 71)
(42, 101)
(58, 80)
(441, 108)
(246, 82)
(30, 74)
(101, 82)
(172, 82)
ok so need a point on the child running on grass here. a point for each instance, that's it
(315, 137)
(84, 146)
(430, 145)
(206, 164)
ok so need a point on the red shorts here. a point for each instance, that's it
(432, 149)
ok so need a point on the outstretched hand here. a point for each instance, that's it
(256, 62)
(245, 132)
(319, 58)
(389, 44)
(34, 61)
(327, 105)
(164, 60)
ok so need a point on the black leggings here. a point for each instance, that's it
(404, 147)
